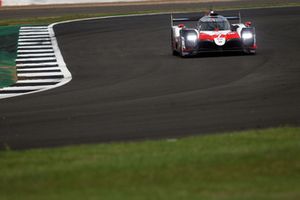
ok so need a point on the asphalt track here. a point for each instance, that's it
(127, 86)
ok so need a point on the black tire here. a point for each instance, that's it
(174, 52)
(188, 44)
(249, 43)
(172, 48)
(181, 54)
(249, 51)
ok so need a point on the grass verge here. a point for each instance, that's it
(8, 53)
(260, 165)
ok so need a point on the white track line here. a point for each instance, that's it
(34, 43)
(34, 33)
(31, 30)
(35, 59)
(38, 69)
(39, 81)
(59, 57)
(35, 55)
(39, 74)
(33, 36)
(34, 27)
(4, 96)
(35, 47)
(36, 51)
(37, 64)
(16, 88)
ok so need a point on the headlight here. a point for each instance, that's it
(191, 37)
(247, 36)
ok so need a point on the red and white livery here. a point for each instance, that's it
(213, 33)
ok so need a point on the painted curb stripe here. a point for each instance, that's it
(36, 55)
(37, 64)
(11, 93)
(33, 33)
(38, 69)
(15, 88)
(35, 59)
(34, 27)
(36, 51)
(36, 47)
(33, 30)
(39, 74)
(40, 65)
(34, 43)
(33, 36)
(38, 81)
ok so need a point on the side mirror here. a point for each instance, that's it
(248, 24)
(181, 25)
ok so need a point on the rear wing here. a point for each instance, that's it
(239, 17)
(185, 19)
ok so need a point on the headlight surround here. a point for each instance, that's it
(247, 35)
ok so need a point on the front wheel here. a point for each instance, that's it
(174, 52)
(249, 40)
(182, 53)
(249, 51)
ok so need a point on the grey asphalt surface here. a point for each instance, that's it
(127, 86)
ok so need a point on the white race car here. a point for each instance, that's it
(213, 33)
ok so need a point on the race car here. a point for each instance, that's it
(213, 33)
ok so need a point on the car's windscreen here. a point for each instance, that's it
(213, 26)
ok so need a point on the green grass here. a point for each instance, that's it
(7, 76)
(8, 53)
(251, 165)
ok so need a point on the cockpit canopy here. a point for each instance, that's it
(213, 23)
